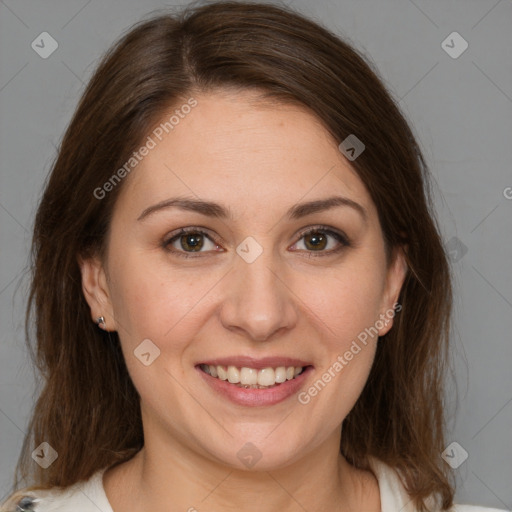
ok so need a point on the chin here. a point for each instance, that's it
(257, 453)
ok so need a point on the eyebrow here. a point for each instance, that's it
(212, 209)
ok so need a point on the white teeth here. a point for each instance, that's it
(248, 376)
(222, 374)
(280, 374)
(266, 377)
(251, 377)
(233, 375)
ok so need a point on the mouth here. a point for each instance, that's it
(253, 378)
(251, 382)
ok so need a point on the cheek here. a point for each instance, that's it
(346, 301)
(144, 305)
(345, 309)
(151, 304)
(156, 302)
(346, 306)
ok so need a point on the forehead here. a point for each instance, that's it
(233, 149)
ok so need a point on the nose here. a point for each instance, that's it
(258, 302)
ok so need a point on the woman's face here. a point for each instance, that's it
(247, 291)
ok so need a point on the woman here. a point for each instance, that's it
(241, 297)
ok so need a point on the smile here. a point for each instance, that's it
(252, 378)
(250, 382)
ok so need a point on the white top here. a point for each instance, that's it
(89, 496)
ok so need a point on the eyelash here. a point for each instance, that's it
(340, 237)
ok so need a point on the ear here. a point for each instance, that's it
(96, 291)
(397, 270)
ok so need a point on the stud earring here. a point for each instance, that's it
(100, 321)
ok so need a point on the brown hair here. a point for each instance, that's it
(88, 409)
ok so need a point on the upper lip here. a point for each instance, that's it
(257, 363)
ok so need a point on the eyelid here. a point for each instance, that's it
(340, 236)
(325, 229)
(166, 243)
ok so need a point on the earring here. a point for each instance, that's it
(100, 321)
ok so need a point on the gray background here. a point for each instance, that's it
(460, 109)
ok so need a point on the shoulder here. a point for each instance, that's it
(393, 495)
(85, 496)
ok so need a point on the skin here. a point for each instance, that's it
(258, 160)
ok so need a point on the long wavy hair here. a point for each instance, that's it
(88, 409)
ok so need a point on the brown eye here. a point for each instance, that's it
(323, 241)
(191, 241)
(188, 241)
(315, 240)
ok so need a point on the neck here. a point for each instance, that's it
(164, 474)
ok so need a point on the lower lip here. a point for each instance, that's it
(256, 397)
